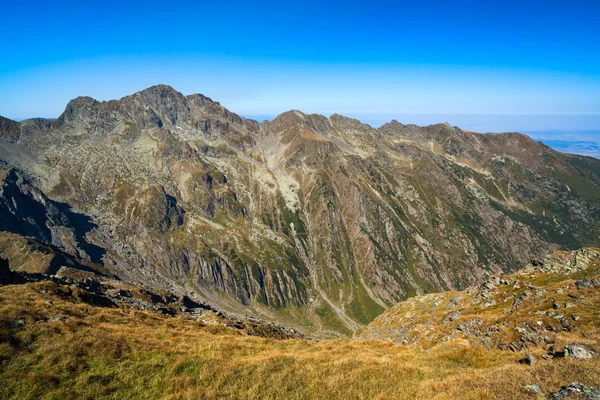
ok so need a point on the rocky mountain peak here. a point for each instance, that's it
(348, 121)
(214, 109)
(167, 103)
(294, 123)
(393, 124)
(287, 120)
(202, 100)
(152, 106)
(160, 94)
(80, 108)
(9, 129)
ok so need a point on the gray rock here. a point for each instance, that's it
(521, 298)
(534, 389)
(61, 318)
(579, 351)
(489, 285)
(515, 346)
(576, 390)
(462, 327)
(530, 359)
(527, 336)
(584, 283)
(451, 317)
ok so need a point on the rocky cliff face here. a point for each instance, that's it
(313, 221)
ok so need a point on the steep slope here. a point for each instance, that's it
(27, 211)
(548, 303)
(317, 222)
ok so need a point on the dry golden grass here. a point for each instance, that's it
(420, 321)
(125, 354)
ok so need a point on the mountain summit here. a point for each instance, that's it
(317, 222)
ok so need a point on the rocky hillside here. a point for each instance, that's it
(88, 288)
(551, 301)
(318, 222)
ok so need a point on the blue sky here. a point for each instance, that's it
(416, 61)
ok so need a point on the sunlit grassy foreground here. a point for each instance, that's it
(123, 354)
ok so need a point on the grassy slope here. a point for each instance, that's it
(124, 354)
(419, 321)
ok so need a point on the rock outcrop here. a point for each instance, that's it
(538, 307)
(576, 390)
(103, 292)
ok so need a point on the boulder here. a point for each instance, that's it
(527, 336)
(530, 359)
(576, 390)
(578, 351)
(584, 283)
(534, 389)
(451, 317)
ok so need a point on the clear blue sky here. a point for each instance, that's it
(370, 59)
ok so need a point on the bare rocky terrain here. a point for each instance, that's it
(318, 223)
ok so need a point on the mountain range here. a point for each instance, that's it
(318, 223)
